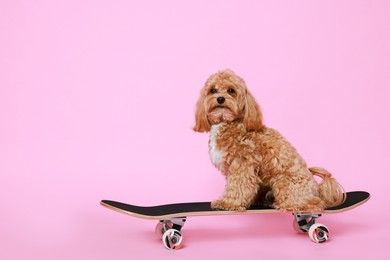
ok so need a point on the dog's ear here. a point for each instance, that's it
(202, 124)
(253, 118)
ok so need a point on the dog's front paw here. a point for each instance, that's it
(217, 204)
(221, 204)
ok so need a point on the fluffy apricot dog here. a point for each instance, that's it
(259, 164)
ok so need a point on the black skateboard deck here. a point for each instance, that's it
(172, 216)
(161, 212)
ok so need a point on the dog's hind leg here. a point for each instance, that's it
(297, 194)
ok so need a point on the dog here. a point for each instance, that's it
(260, 166)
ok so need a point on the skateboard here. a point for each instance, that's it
(171, 217)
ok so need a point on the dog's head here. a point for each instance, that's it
(225, 98)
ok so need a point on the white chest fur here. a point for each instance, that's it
(216, 155)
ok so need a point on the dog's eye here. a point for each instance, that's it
(213, 90)
(231, 91)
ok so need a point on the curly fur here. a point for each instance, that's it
(259, 164)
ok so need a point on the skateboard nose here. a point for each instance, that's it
(221, 100)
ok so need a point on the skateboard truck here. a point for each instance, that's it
(305, 222)
(169, 231)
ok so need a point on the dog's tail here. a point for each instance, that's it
(330, 190)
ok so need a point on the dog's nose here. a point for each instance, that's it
(220, 100)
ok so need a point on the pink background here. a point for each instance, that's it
(97, 101)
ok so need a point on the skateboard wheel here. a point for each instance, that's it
(172, 239)
(161, 227)
(159, 230)
(318, 233)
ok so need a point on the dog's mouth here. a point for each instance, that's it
(221, 109)
(218, 107)
(221, 113)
